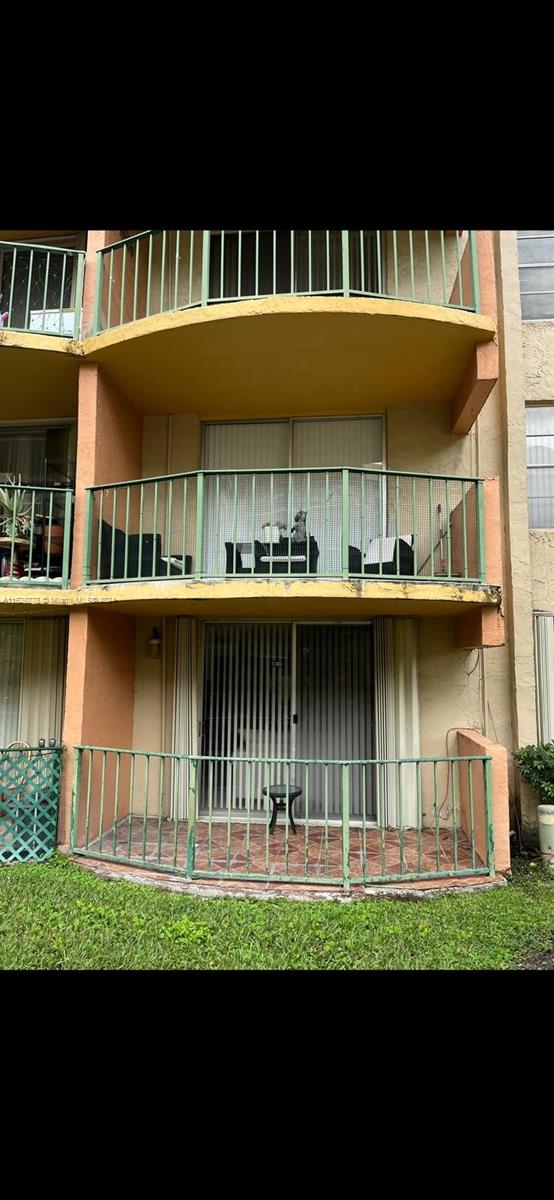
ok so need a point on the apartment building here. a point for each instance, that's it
(266, 565)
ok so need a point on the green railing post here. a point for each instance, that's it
(345, 521)
(79, 295)
(474, 264)
(488, 811)
(345, 773)
(75, 796)
(199, 524)
(98, 292)
(191, 815)
(345, 262)
(89, 500)
(205, 281)
(66, 538)
(480, 522)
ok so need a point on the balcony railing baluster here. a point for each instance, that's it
(41, 289)
(333, 821)
(424, 266)
(35, 535)
(335, 523)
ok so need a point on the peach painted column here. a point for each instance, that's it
(100, 683)
(109, 445)
(472, 742)
(101, 645)
(96, 240)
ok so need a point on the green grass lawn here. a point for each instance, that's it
(59, 916)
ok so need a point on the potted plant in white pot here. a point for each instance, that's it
(273, 531)
(536, 764)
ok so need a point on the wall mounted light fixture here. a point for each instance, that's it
(155, 644)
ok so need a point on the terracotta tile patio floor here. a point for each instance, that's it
(163, 844)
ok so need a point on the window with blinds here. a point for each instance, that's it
(540, 465)
(536, 273)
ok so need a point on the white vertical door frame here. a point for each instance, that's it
(293, 690)
(397, 713)
(185, 709)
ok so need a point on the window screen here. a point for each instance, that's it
(536, 273)
(540, 466)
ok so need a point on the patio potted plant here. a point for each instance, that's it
(15, 525)
(273, 531)
(536, 764)
(15, 517)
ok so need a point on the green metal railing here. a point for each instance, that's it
(336, 822)
(41, 289)
(164, 270)
(336, 523)
(35, 535)
(29, 798)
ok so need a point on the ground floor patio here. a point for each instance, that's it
(314, 854)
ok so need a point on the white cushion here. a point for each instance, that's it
(382, 549)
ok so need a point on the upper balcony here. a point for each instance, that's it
(296, 319)
(41, 288)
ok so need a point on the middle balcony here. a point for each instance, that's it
(311, 535)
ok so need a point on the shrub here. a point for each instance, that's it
(536, 764)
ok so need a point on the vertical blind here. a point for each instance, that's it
(257, 675)
(32, 665)
(11, 658)
(235, 509)
(544, 674)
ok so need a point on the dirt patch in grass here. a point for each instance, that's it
(543, 961)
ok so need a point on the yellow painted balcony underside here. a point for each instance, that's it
(39, 376)
(291, 354)
(253, 597)
(286, 354)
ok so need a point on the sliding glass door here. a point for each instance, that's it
(240, 508)
(286, 691)
(334, 708)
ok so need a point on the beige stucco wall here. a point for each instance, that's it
(542, 568)
(527, 377)
(538, 361)
(171, 443)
